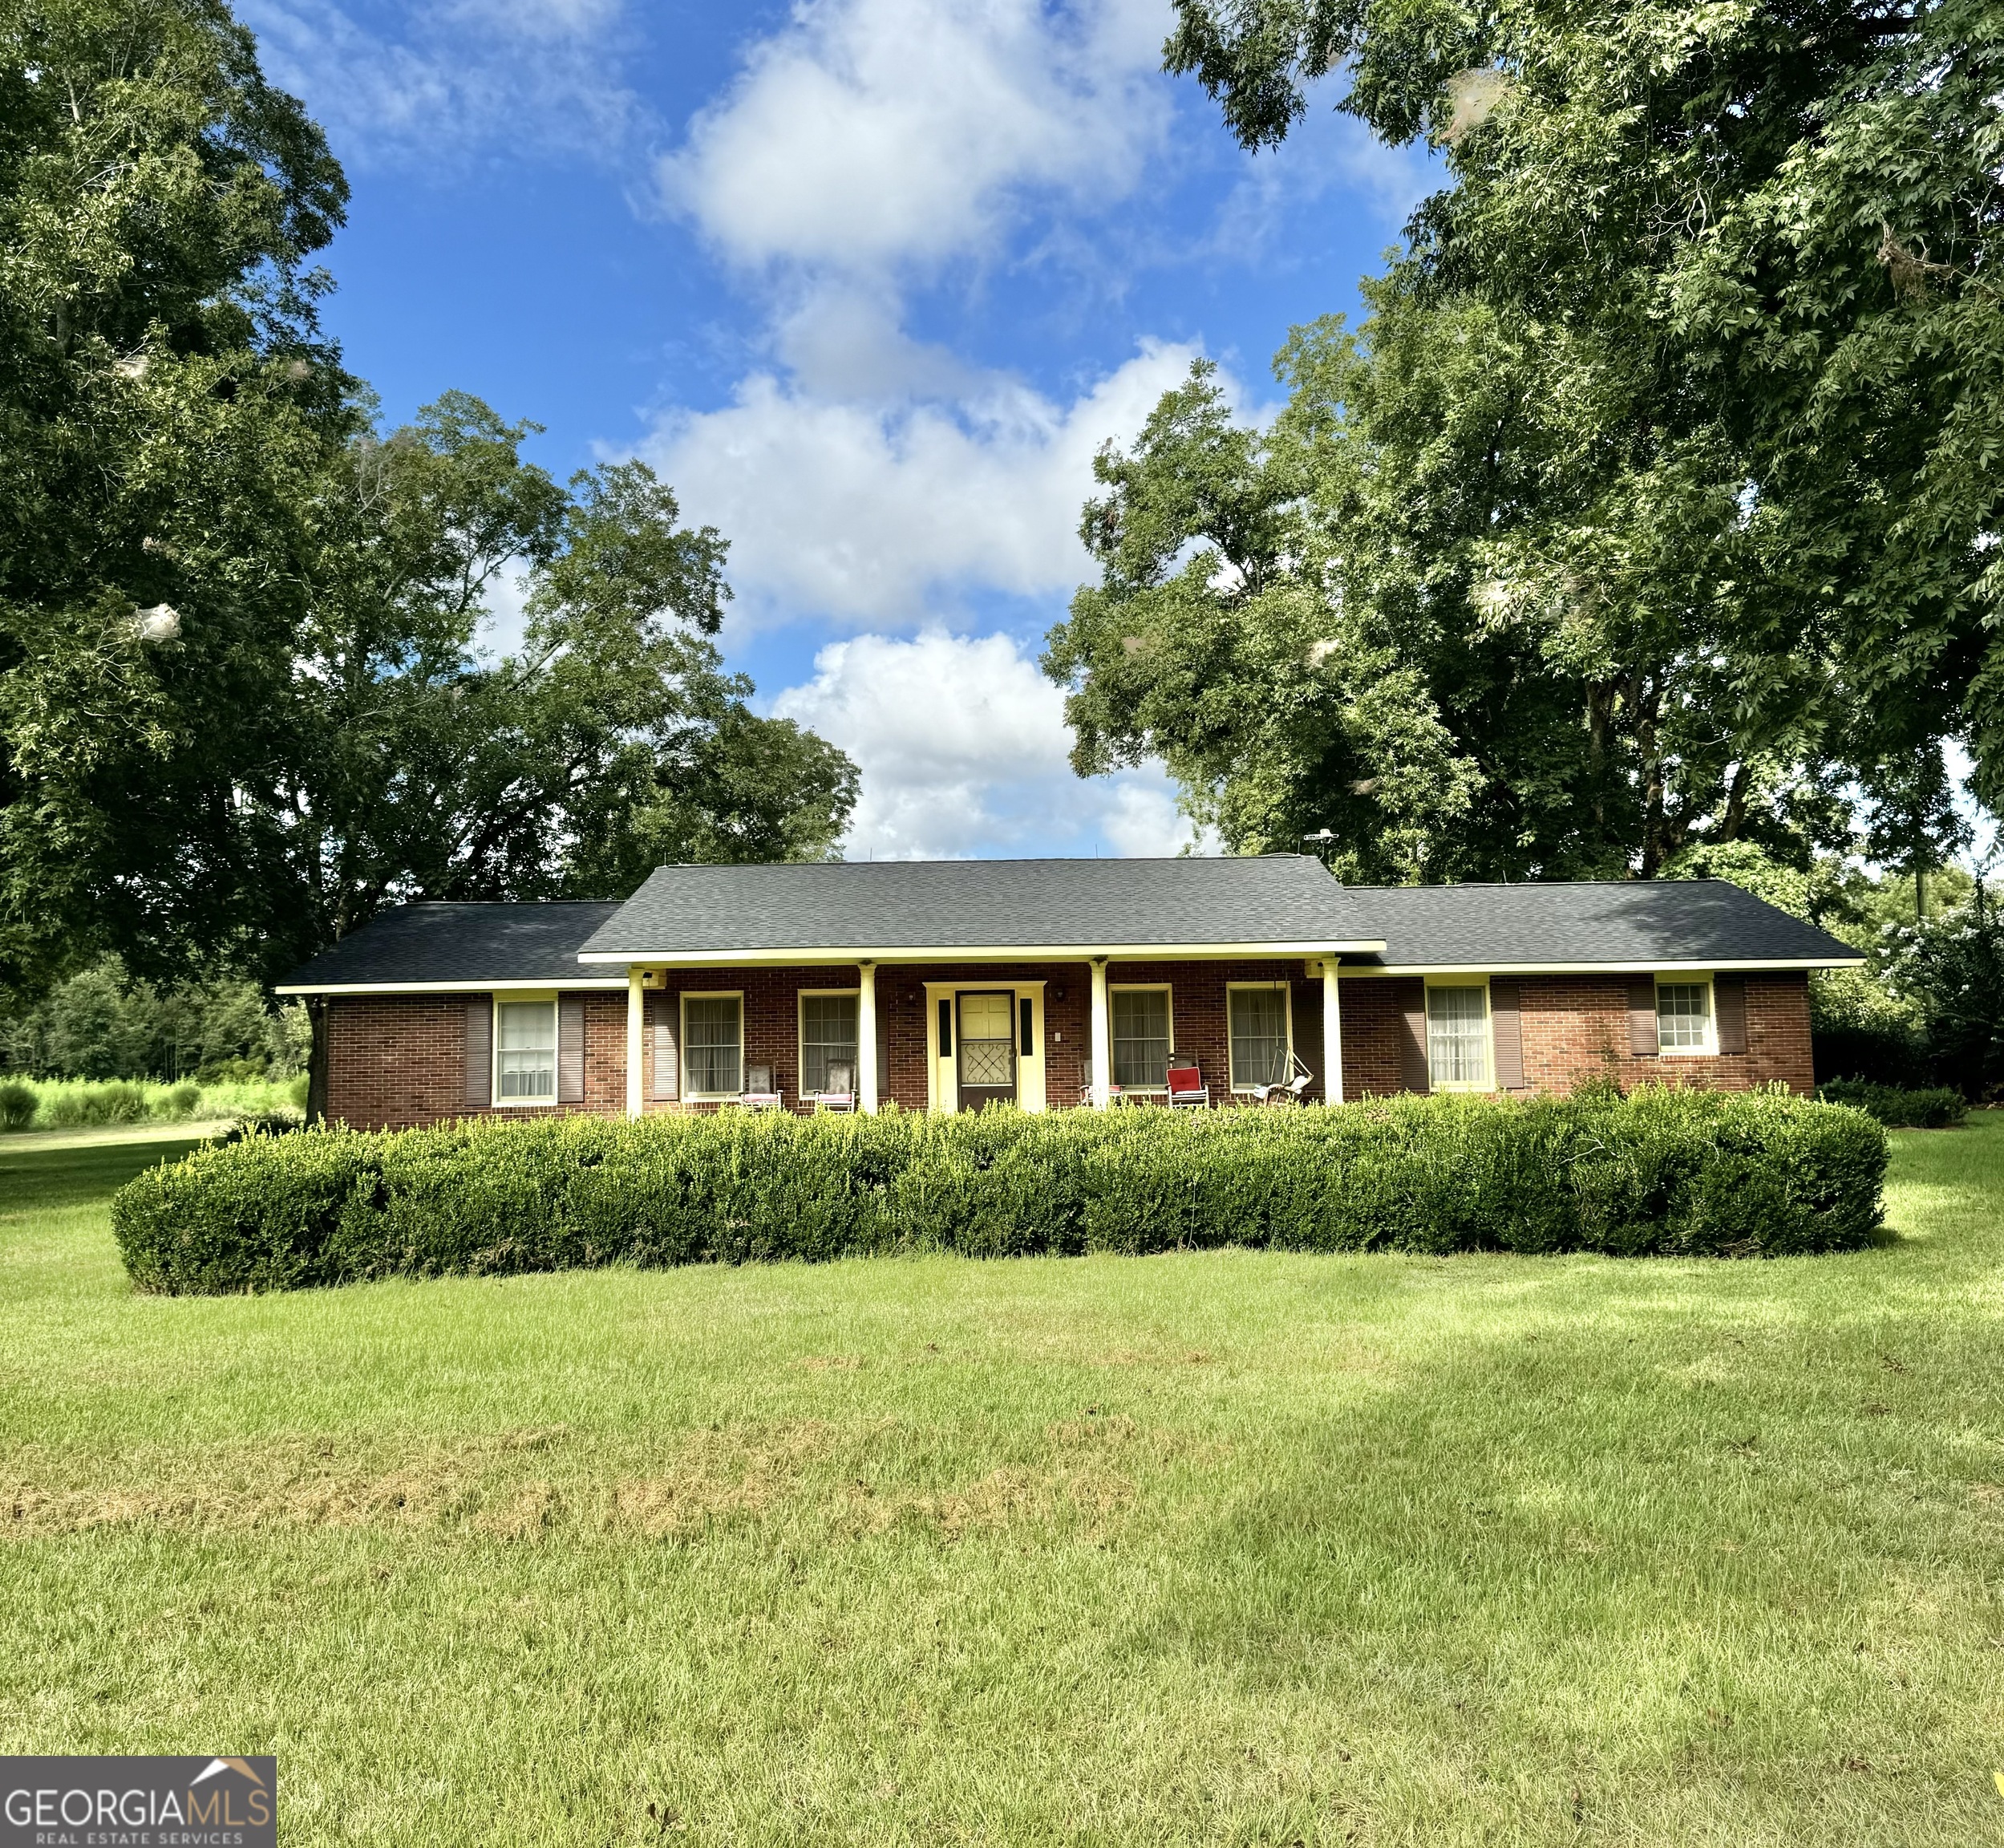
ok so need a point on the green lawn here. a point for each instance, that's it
(1220, 1548)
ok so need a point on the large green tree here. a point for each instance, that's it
(243, 701)
(422, 765)
(1754, 244)
(165, 405)
(1456, 606)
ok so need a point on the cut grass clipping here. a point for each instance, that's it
(1660, 1171)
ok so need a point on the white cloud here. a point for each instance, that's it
(875, 133)
(460, 74)
(869, 512)
(963, 743)
(1329, 161)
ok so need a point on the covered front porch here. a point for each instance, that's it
(948, 1035)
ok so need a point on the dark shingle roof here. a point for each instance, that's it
(425, 944)
(1075, 905)
(895, 904)
(1640, 922)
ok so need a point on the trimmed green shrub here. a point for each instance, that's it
(1899, 1106)
(18, 1105)
(1662, 1171)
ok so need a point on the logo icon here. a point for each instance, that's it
(189, 1803)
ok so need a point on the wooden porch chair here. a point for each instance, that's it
(1186, 1088)
(841, 1094)
(760, 1092)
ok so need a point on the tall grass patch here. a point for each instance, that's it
(58, 1104)
(1660, 1171)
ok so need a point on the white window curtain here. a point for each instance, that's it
(1259, 1036)
(1683, 1016)
(1140, 1039)
(525, 1050)
(828, 1037)
(1458, 1035)
(712, 1055)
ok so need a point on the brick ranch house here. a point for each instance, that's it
(1052, 983)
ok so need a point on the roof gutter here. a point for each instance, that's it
(540, 987)
(805, 958)
(1684, 967)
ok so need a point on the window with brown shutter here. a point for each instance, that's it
(479, 1051)
(1729, 1012)
(1506, 1031)
(1413, 1072)
(570, 1049)
(1641, 1017)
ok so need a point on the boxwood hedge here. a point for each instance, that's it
(1899, 1106)
(1660, 1171)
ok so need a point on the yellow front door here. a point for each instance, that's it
(987, 1049)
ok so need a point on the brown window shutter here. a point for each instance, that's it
(1642, 1040)
(1729, 1006)
(665, 1085)
(1506, 1028)
(570, 1049)
(1414, 1073)
(479, 1051)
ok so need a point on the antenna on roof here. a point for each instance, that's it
(1321, 842)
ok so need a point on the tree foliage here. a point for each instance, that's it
(165, 403)
(610, 740)
(102, 1023)
(1453, 606)
(1734, 265)
(242, 699)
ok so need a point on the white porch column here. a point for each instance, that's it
(1102, 1046)
(636, 1040)
(1332, 1035)
(866, 1037)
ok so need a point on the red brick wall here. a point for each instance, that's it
(396, 1061)
(1576, 1027)
(1371, 1028)
(771, 1030)
(1197, 1006)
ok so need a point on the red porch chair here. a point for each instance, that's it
(1187, 1088)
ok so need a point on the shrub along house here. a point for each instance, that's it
(1052, 983)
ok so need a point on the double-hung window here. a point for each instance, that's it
(1684, 1017)
(1458, 1037)
(1140, 1039)
(525, 1051)
(828, 1037)
(713, 1044)
(1260, 1052)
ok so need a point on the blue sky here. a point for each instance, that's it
(868, 281)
